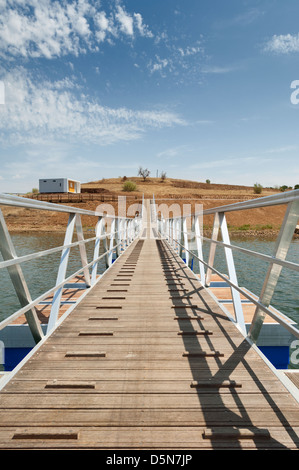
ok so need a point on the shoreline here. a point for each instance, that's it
(267, 234)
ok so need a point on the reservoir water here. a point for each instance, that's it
(41, 274)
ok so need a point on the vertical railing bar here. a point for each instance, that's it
(212, 250)
(199, 248)
(105, 244)
(232, 273)
(97, 244)
(186, 243)
(82, 249)
(61, 273)
(111, 244)
(118, 237)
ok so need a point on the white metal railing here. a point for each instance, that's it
(176, 231)
(116, 233)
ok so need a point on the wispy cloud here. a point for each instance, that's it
(245, 18)
(283, 44)
(229, 162)
(159, 65)
(215, 69)
(38, 110)
(174, 152)
(179, 62)
(287, 148)
(50, 29)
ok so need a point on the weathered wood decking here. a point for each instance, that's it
(147, 360)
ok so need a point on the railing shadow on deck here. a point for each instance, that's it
(201, 367)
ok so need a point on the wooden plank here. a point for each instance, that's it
(236, 433)
(148, 382)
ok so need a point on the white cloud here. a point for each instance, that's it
(45, 28)
(288, 148)
(191, 50)
(142, 28)
(174, 152)
(125, 20)
(229, 161)
(158, 65)
(215, 69)
(40, 111)
(283, 44)
(183, 63)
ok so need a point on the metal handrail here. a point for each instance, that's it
(123, 230)
(175, 230)
(268, 258)
(17, 201)
(39, 299)
(265, 309)
(265, 201)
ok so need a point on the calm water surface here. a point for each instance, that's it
(41, 274)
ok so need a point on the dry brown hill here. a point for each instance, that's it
(170, 191)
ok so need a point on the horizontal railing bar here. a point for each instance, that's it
(268, 258)
(39, 254)
(265, 309)
(35, 302)
(18, 201)
(275, 199)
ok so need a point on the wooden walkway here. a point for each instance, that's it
(147, 360)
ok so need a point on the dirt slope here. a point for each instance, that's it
(171, 193)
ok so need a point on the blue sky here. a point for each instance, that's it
(200, 89)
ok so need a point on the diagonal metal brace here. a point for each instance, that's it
(8, 252)
(281, 249)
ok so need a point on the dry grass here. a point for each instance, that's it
(171, 191)
(176, 188)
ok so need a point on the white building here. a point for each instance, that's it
(59, 185)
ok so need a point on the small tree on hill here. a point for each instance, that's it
(144, 172)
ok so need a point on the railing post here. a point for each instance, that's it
(99, 230)
(176, 233)
(111, 244)
(232, 273)
(212, 251)
(185, 237)
(199, 247)
(281, 249)
(105, 244)
(82, 249)
(17, 278)
(172, 233)
(61, 272)
(125, 233)
(118, 237)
